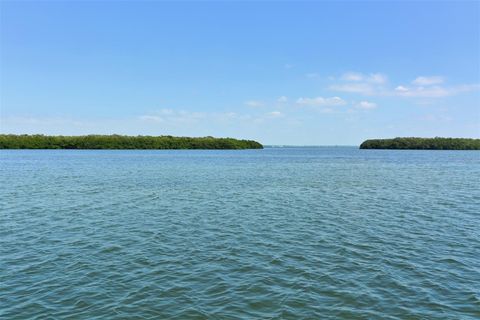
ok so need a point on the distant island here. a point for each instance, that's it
(37, 141)
(423, 144)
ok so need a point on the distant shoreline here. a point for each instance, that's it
(413, 143)
(120, 142)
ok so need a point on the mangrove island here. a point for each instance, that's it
(423, 144)
(37, 141)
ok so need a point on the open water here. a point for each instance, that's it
(279, 233)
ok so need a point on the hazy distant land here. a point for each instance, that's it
(423, 143)
(10, 141)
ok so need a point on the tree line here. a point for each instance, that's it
(37, 141)
(423, 143)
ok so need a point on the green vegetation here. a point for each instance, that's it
(10, 141)
(423, 143)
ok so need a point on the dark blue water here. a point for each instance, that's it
(286, 233)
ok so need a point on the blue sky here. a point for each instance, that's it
(309, 73)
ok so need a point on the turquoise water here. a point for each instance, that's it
(279, 233)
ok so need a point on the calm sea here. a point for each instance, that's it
(279, 233)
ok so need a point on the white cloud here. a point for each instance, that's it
(401, 89)
(427, 81)
(433, 91)
(377, 78)
(254, 103)
(282, 99)
(376, 84)
(177, 119)
(275, 114)
(365, 105)
(352, 76)
(320, 101)
(150, 118)
(169, 116)
(177, 123)
(430, 92)
(362, 88)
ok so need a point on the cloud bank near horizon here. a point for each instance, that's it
(257, 117)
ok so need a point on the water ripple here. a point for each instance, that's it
(297, 233)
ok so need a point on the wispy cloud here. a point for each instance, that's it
(321, 102)
(149, 118)
(159, 122)
(352, 76)
(433, 91)
(376, 84)
(169, 116)
(366, 105)
(361, 88)
(282, 99)
(275, 114)
(429, 92)
(365, 84)
(173, 118)
(254, 103)
(377, 78)
(427, 81)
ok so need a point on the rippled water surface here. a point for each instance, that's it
(292, 233)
